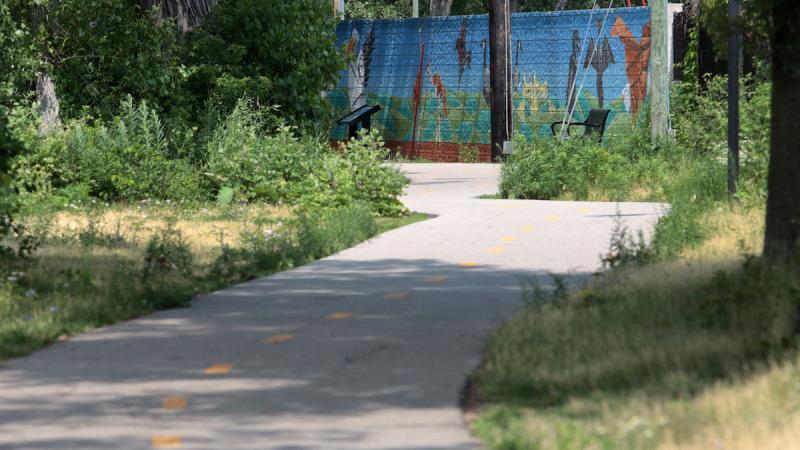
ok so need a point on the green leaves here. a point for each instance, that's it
(291, 44)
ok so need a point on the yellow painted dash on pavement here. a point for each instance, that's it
(528, 228)
(552, 218)
(496, 250)
(279, 339)
(508, 238)
(396, 296)
(339, 316)
(436, 279)
(166, 441)
(468, 264)
(174, 402)
(218, 369)
(584, 210)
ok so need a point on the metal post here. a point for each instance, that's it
(499, 75)
(415, 8)
(659, 55)
(734, 46)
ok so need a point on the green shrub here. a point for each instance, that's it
(126, 159)
(271, 166)
(167, 252)
(547, 169)
(103, 51)
(9, 148)
(282, 167)
(284, 52)
(700, 119)
(357, 173)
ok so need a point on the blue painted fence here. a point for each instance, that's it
(437, 70)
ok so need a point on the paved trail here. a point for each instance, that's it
(367, 349)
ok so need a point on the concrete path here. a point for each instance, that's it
(367, 349)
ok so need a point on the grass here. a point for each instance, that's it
(695, 351)
(99, 266)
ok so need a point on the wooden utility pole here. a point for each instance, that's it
(499, 75)
(659, 75)
(734, 44)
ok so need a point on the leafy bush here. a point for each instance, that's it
(546, 169)
(126, 159)
(167, 252)
(271, 166)
(700, 119)
(283, 52)
(281, 167)
(358, 173)
(9, 147)
(105, 50)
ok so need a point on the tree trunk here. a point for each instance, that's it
(441, 7)
(48, 104)
(561, 5)
(187, 13)
(782, 236)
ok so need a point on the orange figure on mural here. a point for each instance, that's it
(637, 58)
(441, 94)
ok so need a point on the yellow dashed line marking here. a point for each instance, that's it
(508, 239)
(467, 264)
(339, 316)
(174, 403)
(584, 210)
(279, 339)
(496, 250)
(396, 296)
(218, 369)
(552, 218)
(436, 279)
(528, 228)
(166, 441)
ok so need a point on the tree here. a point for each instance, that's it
(440, 7)
(188, 14)
(782, 236)
(273, 51)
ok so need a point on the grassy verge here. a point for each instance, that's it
(689, 341)
(692, 352)
(99, 266)
(685, 343)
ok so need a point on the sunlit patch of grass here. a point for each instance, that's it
(733, 231)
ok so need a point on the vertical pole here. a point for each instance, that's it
(734, 46)
(499, 76)
(659, 71)
(415, 8)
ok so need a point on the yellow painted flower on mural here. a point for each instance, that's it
(534, 91)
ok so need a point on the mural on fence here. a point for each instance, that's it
(431, 75)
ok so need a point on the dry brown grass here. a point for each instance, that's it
(204, 231)
(762, 412)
